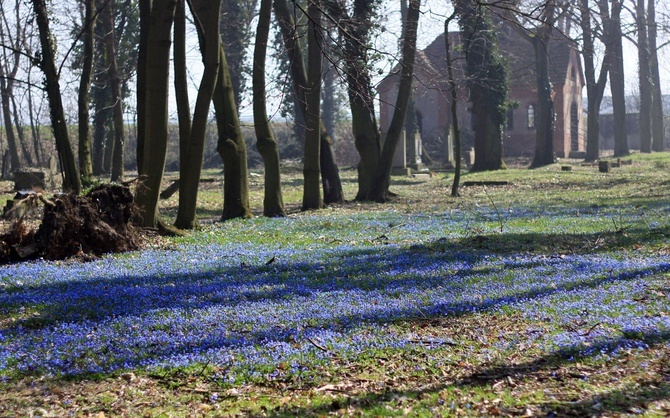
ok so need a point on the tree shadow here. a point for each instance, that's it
(635, 396)
(387, 276)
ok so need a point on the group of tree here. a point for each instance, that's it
(125, 46)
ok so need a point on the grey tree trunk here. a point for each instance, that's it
(332, 185)
(84, 97)
(595, 87)
(382, 178)
(453, 93)
(617, 81)
(273, 203)
(207, 14)
(311, 198)
(71, 181)
(644, 76)
(657, 130)
(114, 78)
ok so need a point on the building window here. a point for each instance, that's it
(531, 116)
(510, 119)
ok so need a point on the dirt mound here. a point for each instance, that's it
(76, 226)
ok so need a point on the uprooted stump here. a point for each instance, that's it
(77, 226)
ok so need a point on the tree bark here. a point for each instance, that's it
(156, 110)
(145, 7)
(71, 181)
(119, 137)
(454, 110)
(644, 76)
(595, 87)
(657, 130)
(330, 175)
(544, 122)
(273, 203)
(84, 97)
(356, 34)
(8, 70)
(231, 147)
(311, 198)
(617, 81)
(382, 178)
(207, 14)
(488, 84)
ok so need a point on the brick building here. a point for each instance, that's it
(432, 99)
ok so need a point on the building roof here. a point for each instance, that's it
(517, 51)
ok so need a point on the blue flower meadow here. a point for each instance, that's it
(336, 287)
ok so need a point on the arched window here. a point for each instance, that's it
(531, 116)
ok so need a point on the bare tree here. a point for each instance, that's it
(47, 64)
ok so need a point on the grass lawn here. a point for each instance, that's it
(547, 296)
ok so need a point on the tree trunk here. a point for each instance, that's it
(231, 147)
(382, 178)
(359, 88)
(181, 80)
(12, 145)
(329, 171)
(657, 130)
(84, 97)
(119, 137)
(454, 110)
(488, 83)
(71, 182)
(273, 203)
(594, 87)
(644, 76)
(145, 7)
(617, 81)
(156, 111)
(207, 15)
(311, 198)
(544, 121)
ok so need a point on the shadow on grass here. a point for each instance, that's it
(467, 282)
(553, 243)
(633, 397)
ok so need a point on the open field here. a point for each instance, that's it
(547, 296)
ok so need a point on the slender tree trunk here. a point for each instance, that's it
(84, 97)
(145, 7)
(71, 182)
(273, 203)
(644, 76)
(657, 130)
(617, 81)
(329, 171)
(181, 81)
(207, 14)
(114, 78)
(311, 198)
(12, 146)
(34, 126)
(382, 179)
(594, 87)
(454, 109)
(20, 133)
(156, 111)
